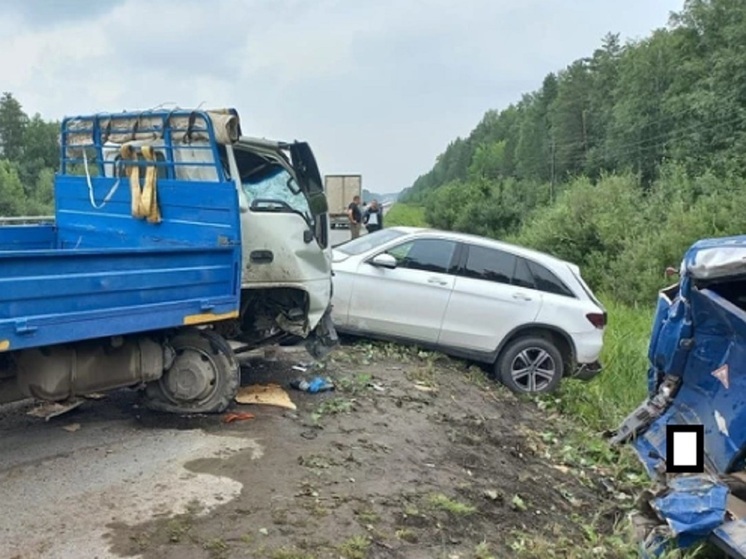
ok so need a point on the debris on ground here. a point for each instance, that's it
(316, 384)
(265, 394)
(94, 396)
(48, 410)
(72, 427)
(397, 474)
(237, 416)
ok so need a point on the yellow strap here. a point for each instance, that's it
(150, 191)
(145, 199)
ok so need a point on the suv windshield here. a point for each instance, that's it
(276, 190)
(369, 241)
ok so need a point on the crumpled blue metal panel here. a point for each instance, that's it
(693, 507)
(701, 338)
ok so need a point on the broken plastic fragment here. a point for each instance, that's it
(237, 416)
(48, 410)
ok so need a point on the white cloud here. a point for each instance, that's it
(378, 88)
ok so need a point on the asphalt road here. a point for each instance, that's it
(64, 483)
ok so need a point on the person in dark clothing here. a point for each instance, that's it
(373, 217)
(355, 216)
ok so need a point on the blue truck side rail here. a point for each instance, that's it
(100, 271)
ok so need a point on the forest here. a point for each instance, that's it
(29, 157)
(618, 162)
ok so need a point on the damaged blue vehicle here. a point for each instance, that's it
(697, 376)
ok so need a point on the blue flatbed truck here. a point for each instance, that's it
(173, 235)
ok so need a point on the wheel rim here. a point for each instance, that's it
(192, 376)
(533, 369)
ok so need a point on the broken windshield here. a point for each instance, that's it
(276, 190)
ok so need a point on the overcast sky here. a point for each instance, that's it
(378, 87)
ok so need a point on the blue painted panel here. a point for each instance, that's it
(27, 237)
(101, 272)
(193, 213)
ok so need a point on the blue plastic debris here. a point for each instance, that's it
(317, 384)
(692, 507)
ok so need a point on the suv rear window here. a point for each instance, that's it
(547, 281)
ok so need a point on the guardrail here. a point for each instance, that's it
(27, 220)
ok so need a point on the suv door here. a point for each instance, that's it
(492, 295)
(410, 300)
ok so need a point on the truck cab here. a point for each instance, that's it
(284, 222)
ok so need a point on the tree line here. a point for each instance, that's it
(29, 157)
(617, 162)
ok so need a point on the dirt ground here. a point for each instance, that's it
(413, 456)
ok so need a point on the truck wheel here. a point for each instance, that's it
(530, 365)
(203, 378)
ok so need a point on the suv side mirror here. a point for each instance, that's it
(384, 260)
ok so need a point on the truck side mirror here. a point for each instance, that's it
(317, 203)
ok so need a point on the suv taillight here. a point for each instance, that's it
(597, 319)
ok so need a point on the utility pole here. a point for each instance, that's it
(551, 172)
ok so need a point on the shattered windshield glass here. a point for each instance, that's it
(277, 191)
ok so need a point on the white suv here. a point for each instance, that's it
(530, 315)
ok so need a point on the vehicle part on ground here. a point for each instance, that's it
(203, 375)
(530, 365)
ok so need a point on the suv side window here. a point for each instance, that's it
(547, 281)
(430, 255)
(489, 264)
(523, 276)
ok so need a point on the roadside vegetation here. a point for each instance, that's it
(406, 214)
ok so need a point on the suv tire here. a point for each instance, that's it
(530, 365)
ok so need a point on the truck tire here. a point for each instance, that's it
(203, 377)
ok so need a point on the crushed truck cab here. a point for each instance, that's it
(173, 234)
(697, 376)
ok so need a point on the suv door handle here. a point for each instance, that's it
(522, 297)
(436, 281)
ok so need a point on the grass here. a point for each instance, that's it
(603, 402)
(447, 504)
(405, 214)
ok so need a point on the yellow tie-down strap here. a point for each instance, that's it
(145, 198)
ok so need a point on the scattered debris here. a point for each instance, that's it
(422, 387)
(72, 427)
(493, 495)
(237, 416)
(269, 395)
(263, 531)
(48, 410)
(317, 384)
(300, 368)
(377, 387)
(518, 504)
(95, 396)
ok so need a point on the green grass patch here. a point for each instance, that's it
(604, 401)
(405, 214)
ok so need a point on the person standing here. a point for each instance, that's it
(355, 216)
(373, 217)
